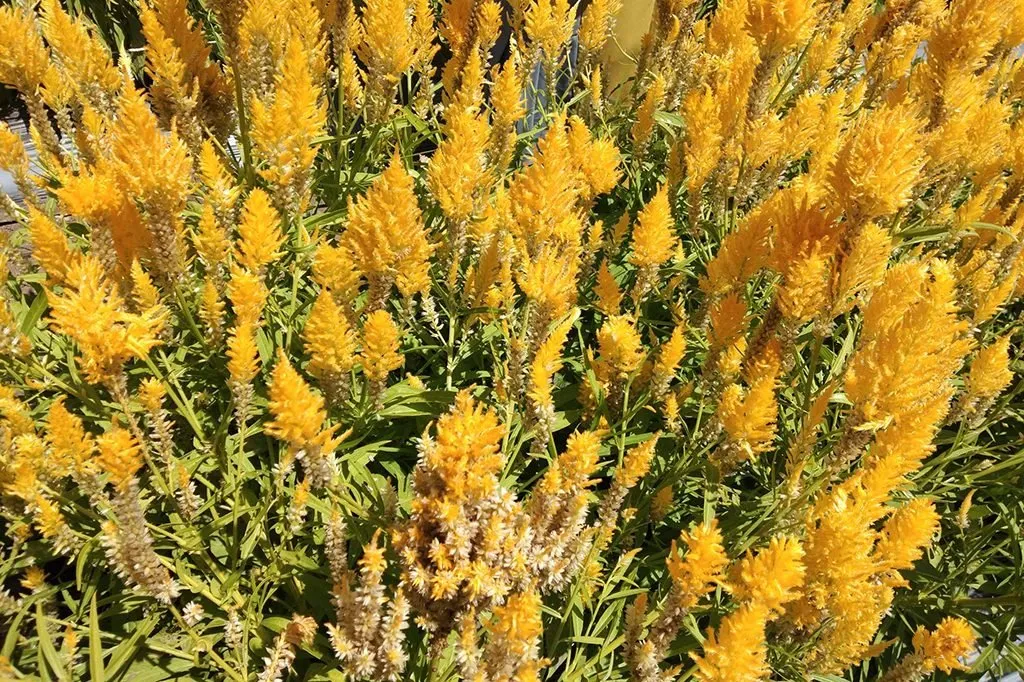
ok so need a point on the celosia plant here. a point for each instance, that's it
(413, 340)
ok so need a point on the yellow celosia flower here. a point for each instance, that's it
(50, 245)
(81, 56)
(703, 567)
(24, 59)
(298, 412)
(546, 363)
(243, 355)
(703, 145)
(990, 370)
(597, 23)
(743, 253)
(906, 533)
(549, 25)
(248, 295)
(942, 648)
(507, 97)
(864, 267)
(458, 172)
(284, 129)
(144, 291)
(381, 340)
(329, 341)
(597, 160)
(749, 418)
(914, 310)
(259, 232)
(156, 169)
(609, 296)
(335, 269)
(736, 650)
(119, 456)
(210, 240)
(878, 163)
(620, 347)
(654, 241)
(662, 503)
(211, 309)
(772, 577)
(390, 44)
(549, 280)
(543, 195)
(187, 86)
(779, 26)
(386, 235)
(637, 462)
(221, 191)
(670, 354)
(644, 125)
(68, 439)
(515, 636)
(728, 321)
(90, 311)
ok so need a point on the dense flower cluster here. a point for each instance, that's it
(410, 339)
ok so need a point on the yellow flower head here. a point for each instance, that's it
(654, 241)
(50, 246)
(736, 650)
(728, 321)
(243, 355)
(458, 171)
(299, 414)
(597, 159)
(386, 235)
(329, 340)
(334, 269)
(152, 393)
(637, 462)
(68, 439)
(671, 353)
(210, 241)
(547, 362)
(942, 648)
(771, 577)
(259, 232)
(390, 44)
(543, 195)
(749, 417)
(703, 145)
(90, 311)
(507, 97)
(247, 294)
(284, 130)
(620, 347)
(81, 55)
(779, 25)
(597, 23)
(609, 295)
(381, 340)
(906, 533)
(466, 451)
(878, 163)
(703, 567)
(644, 125)
(24, 59)
(914, 310)
(990, 370)
(549, 25)
(119, 456)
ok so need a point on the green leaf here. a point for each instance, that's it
(47, 652)
(95, 644)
